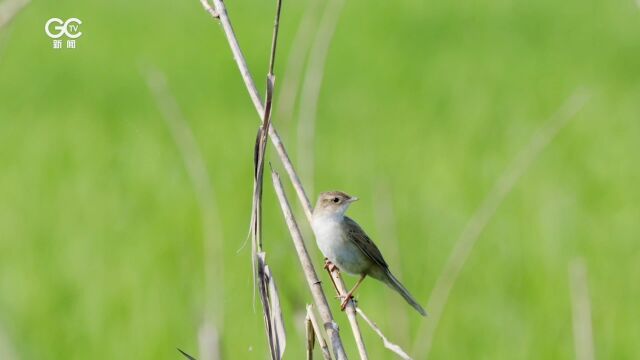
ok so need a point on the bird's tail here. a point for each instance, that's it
(397, 286)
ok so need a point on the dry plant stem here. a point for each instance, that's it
(316, 328)
(9, 9)
(314, 283)
(388, 344)
(201, 181)
(274, 324)
(311, 340)
(477, 223)
(581, 310)
(350, 309)
(220, 12)
(311, 90)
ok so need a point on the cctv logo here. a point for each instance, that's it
(61, 28)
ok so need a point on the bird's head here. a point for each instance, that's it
(333, 203)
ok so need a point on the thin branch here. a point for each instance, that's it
(311, 336)
(274, 39)
(311, 90)
(316, 328)
(201, 181)
(388, 344)
(274, 324)
(314, 283)
(220, 12)
(9, 9)
(483, 215)
(350, 310)
(581, 310)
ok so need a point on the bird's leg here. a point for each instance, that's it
(330, 267)
(349, 295)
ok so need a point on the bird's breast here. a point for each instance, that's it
(328, 235)
(335, 246)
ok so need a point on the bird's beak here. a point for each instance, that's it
(352, 199)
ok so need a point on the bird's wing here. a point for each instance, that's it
(363, 242)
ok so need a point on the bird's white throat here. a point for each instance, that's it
(328, 231)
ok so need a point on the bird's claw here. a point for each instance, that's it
(328, 265)
(345, 301)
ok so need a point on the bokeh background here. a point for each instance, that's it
(423, 106)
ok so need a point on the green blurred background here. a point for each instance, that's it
(423, 106)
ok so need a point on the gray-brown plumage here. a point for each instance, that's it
(346, 245)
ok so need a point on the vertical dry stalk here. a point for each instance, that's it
(485, 212)
(581, 310)
(274, 324)
(311, 336)
(201, 181)
(311, 91)
(316, 328)
(342, 291)
(219, 11)
(269, 298)
(314, 283)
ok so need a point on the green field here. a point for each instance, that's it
(423, 106)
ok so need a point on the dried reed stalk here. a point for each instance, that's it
(218, 11)
(316, 328)
(315, 285)
(311, 336)
(350, 309)
(274, 324)
(388, 344)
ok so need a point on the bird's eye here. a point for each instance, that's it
(336, 200)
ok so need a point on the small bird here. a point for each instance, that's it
(346, 245)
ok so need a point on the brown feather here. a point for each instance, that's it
(363, 242)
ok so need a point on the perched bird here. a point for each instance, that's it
(346, 245)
